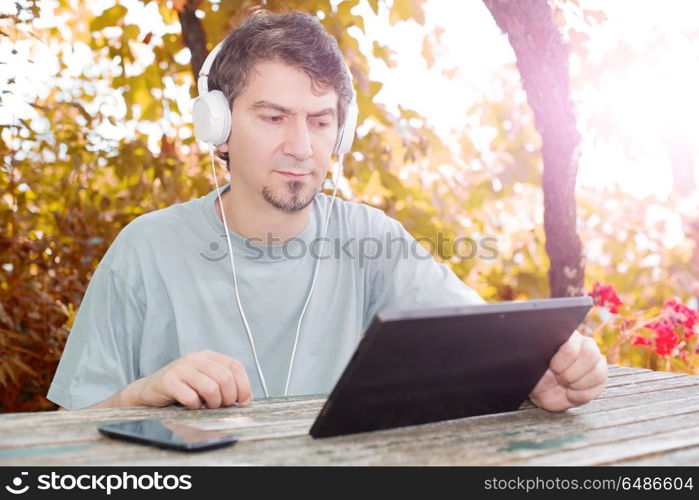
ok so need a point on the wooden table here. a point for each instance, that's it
(643, 417)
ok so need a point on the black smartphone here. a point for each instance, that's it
(167, 434)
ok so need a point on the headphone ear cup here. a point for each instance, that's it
(345, 135)
(211, 115)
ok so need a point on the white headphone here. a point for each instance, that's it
(212, 125)
(212, 113)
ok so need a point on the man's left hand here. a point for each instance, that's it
(576, 375)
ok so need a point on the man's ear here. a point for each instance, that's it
(222, 148)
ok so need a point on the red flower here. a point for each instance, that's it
(665, 337)
(681, 316)
(638, 340)
(605, 296)
(665, 343)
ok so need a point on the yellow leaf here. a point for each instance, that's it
(169, 15)
(131, 32)
(374, 189)
(374, 88)
(153, 76)
(343, 10)
(403, 10)
(384, 53)
(427, 53)
(109, 17)
(173, 43)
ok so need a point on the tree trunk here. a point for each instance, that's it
(542, 60)
(193, 36)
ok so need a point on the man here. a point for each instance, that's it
(162, 320)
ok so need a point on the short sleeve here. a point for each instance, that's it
(407, 275)
(99, 356)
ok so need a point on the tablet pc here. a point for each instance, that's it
(425, 365)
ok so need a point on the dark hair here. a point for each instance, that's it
(291, 38)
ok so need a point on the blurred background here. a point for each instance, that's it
(565, 134)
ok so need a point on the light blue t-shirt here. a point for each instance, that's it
(165, 289)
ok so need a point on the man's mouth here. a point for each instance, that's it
(293, 175)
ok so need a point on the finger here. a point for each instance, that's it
(584, 396)
(224, 377)
(206, 387)
(567, 353)
(545, 383)
(593, 378)
(243, 387)
(243, 383)
(185, 395)
(588, 357)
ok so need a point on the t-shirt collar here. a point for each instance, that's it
(252, 249)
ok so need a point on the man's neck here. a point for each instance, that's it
(254, 218)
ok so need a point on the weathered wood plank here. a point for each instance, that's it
(263, 419)
(433, 446)
(616, 370)
(413, 445)
(611, 452)
(632, 378)
(275, 432)
(291, 406)
(662, 457)
(254, 424)
(636, 400)
(649, 385)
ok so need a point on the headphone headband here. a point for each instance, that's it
(212, 116)
(203, 80)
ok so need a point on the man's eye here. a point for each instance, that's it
(273, 119)
(322, 124)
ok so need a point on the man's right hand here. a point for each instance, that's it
(203, 377)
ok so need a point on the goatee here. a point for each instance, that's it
(292, 201)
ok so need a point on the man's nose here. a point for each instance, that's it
(297, 142)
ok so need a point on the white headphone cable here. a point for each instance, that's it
(315, 273)
(235, 281)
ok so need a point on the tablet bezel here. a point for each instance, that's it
(387, 407)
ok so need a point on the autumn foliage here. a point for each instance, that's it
(112, 140)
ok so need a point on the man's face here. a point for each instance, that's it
(282, 136)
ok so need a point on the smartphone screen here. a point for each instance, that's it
(167, 434)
